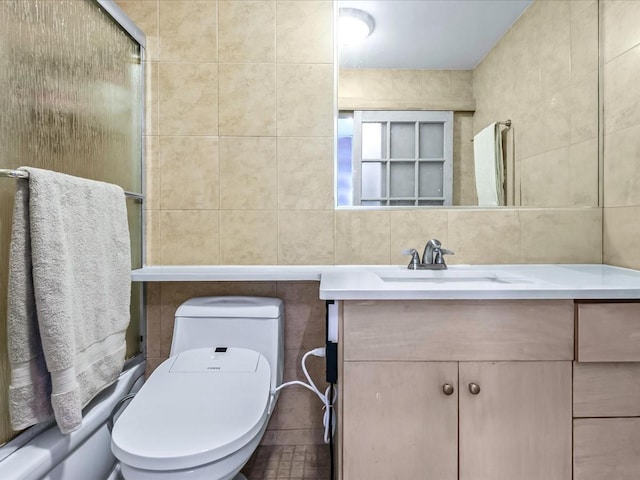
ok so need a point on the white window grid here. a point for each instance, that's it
(418, 118)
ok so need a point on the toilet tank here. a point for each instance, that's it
(256, 323)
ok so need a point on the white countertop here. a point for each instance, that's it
(234, 273)
(509, 282)
(459, 282)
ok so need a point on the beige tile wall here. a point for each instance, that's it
(239, 122)
(240, 171)
(543, 76)
(621, 57)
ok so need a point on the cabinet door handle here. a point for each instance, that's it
(474, 388)
(447, 389)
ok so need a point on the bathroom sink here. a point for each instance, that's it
(450, 277)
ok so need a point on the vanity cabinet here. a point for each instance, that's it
(606, 391)
(456, 389)
(399, 421)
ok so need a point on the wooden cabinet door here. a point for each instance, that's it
(397, 421)
(519, 425)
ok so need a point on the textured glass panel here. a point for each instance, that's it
(403, 143)
(72, 91)
(431, 178)
(402, 203)
(70, 101)
(373, 180)
(373, 140)
(432, 140)
(402, 181)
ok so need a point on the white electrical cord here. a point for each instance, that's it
(324, 398)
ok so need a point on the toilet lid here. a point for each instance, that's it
(196, 407)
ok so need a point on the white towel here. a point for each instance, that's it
(69, 295)
(488, 158)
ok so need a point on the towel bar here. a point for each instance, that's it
(506, 123)
(13, 173)
(22, 174)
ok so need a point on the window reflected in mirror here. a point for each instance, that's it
(395, 158)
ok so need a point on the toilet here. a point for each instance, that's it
(203, 411)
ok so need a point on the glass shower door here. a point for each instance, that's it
(71, 100)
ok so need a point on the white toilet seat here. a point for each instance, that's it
(196, 408)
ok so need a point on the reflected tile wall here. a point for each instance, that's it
(399, 89)
(543, 76)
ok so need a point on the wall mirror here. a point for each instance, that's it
(467, 103)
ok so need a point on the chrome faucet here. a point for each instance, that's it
(432, 257)
(433, 253)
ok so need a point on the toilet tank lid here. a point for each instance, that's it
(231, 307)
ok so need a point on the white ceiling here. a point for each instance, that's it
(430, 34)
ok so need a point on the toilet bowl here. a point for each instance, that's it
(203, 411)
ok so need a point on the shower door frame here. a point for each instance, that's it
(137, 35)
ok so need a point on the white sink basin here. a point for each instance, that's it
(451, 277)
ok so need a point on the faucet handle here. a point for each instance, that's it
(439, 254)
(415, 258)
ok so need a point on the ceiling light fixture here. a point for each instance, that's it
(354, 25)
